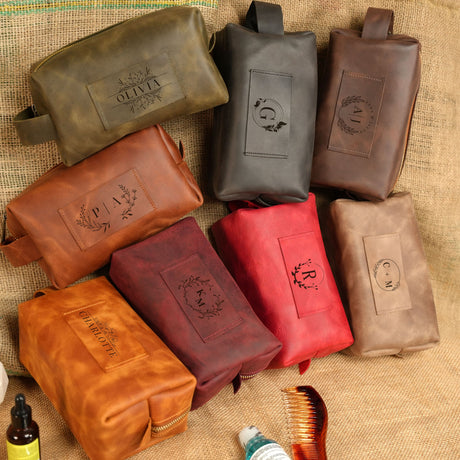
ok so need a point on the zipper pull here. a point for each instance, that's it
(236, 383)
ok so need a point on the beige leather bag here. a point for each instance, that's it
(127, 77)
(383, 275)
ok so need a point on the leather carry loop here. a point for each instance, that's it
(378, 24)
(266, 18)
(33, 128)
(19, 251)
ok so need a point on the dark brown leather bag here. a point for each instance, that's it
(383, 276)
(73, 218)
(117, 385)
(122, 79)
(365, 108)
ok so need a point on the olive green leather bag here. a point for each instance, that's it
(127, 77)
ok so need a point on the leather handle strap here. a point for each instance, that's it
(34, 129)
(265, 18)
(20, 251)
(378, 24)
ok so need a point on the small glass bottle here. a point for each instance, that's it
(22, 437)
(258, 447)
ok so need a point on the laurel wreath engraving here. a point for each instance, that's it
(300, 283)
(343, 125)
(135, 79)
(126, 213)
(87, 221)
(195, 282)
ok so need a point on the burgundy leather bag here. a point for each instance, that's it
(277, 257)
(182, 290)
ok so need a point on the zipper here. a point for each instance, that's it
(248, 376)
(161, 428)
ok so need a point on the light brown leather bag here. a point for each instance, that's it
(365, 108)
(116, 384)
(383, 276)
(73, 218)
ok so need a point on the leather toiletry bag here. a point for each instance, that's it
(365, 108)
(127, 77)
(116, 384)
(263, 137)
(383, 275)
(180, 287)
(277, 257)
(72, 218)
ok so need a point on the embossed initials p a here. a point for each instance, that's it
(99, 216)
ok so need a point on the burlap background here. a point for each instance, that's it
(384, 408)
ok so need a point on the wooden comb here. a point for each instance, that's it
(307, 415)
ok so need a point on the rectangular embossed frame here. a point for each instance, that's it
(386, 273)
(135, 91)
(269, 113)
(201, 298)
(105, 210)
(111, 346)
(356, 114)
(303, 262)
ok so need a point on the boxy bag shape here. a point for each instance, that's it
(73, 218)
(263, 137)
(365, 108)
(383, 275)
(180, 287)
(122, 79)
(115, 383)
(277, 257)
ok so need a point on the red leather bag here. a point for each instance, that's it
(277, 257)
(180, 287)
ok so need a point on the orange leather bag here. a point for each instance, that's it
(72, 218)
(116, 384)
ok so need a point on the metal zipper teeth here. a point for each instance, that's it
(247, 376)
(159, 429)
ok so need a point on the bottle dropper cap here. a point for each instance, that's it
(21, 413)
(246, 434)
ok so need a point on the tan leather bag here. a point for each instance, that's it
(72, 218)
(365, 108)
(116, 384)
(383, 276)
(127, 77)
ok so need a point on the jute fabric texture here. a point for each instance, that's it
(380, 408)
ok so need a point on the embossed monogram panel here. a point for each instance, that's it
(386, 273)
(356, 114)
(201, 298)
(135, 91)
(306, 274)
(104, 335)
(269, 114)
(107, 209)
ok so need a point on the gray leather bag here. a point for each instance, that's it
(263, 137)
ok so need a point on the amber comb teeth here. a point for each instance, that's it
(307, 415)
